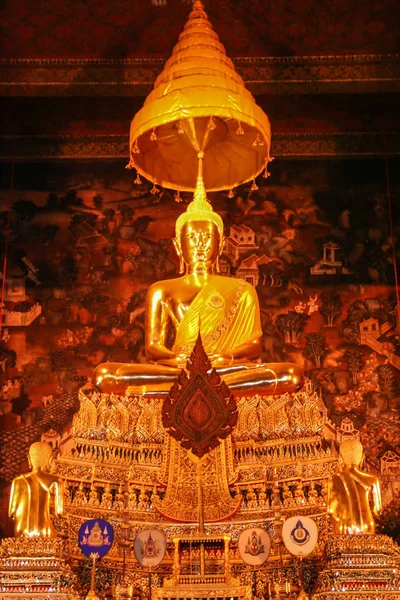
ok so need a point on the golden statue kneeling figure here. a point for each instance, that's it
(349, 493)
(224, 309)
(32, 493)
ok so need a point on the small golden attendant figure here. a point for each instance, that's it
(32, 494)
(349, 501)
(225, 309)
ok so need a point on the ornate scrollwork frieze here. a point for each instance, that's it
(32, 547)
(135, 77)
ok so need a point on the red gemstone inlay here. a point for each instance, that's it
(199, 412)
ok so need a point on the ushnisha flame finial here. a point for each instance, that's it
(200, 208)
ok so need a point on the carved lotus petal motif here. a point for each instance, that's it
(199, 411)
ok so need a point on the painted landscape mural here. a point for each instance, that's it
(317, 240)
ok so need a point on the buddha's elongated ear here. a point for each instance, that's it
(220, 249)
(177, 246)
(178, 251)
(221, 244)
(217, 265)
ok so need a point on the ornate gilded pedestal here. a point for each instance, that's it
(360, 567)
(35, 568)
(119, 446)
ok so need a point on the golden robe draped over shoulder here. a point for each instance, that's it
(226, 322)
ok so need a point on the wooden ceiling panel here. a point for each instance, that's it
(123, 29)
(74, 72)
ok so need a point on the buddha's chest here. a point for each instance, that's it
(189, 296)
(179, 305)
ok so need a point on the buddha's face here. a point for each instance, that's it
(199, 244)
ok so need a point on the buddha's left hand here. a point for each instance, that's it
(221, 360)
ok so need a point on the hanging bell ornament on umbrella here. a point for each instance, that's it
(199, 104)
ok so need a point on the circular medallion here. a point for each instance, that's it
(95, 537)
(150, 546)
(254, 546)
(300, 535)
(216, 301)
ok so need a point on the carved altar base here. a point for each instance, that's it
(203, 592)
(201, 570)
(360, 567)
(35, 568)
(119, 445)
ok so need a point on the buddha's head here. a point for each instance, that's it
(351, 452)
(39, 455)
(199, 234)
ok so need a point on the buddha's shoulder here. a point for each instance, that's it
(165, 285)
(220, 282)
(237, 283)
(369, 478)
(232, 283)
(23, 478)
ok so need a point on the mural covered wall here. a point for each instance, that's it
(85, 242)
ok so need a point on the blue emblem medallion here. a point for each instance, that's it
(95, 537)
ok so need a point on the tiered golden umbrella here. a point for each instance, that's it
(199, 108)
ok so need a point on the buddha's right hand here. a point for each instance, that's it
(180, 360)
(160, 354)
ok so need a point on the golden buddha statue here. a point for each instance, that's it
(143, 503)
(32, 494)
(251, 498)
(312, 494)
(287, 495)
(132, 499)
(80, 496)
(119, 503)
(93, 496)
(224, 309)
(263, 496)
(298, 495)
(349, 493)
(107, 498)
